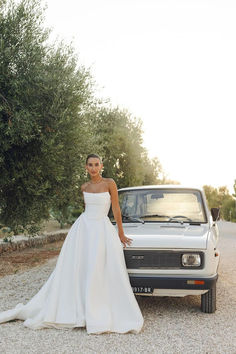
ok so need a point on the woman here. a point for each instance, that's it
(94, 166)
(90, 284)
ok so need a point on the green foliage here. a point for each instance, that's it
(220, 198)
(66, 215)
(6, 233)
(120, 137)
(234, 188)
(43, 135)
(229, 209)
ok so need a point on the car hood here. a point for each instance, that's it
(167, 236)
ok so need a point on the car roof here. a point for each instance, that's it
(161, 186)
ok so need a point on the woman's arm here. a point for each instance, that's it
(116, 212)
(82, 189)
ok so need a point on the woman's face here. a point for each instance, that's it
(93, 166)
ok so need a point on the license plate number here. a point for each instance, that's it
(142, 289)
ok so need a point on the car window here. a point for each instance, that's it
(163, 205)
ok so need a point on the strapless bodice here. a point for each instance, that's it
(97, 205)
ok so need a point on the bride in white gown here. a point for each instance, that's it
(89, 286)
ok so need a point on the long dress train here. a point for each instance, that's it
(89, 286)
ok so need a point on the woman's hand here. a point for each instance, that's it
(125, 240)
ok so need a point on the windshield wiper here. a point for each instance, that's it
(155, 215)
(131, 218)
(188, 220)
(173, 219)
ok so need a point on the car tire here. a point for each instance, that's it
(208, 301)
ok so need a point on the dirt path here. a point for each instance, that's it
(18, 261)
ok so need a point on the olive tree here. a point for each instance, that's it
(43, 133)
(124, 156)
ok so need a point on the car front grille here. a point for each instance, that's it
(152, 259)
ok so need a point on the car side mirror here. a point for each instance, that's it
(215, 212)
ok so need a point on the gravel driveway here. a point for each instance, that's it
(171, 325)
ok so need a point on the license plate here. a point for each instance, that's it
(142, 289)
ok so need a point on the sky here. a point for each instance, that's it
(171, 63)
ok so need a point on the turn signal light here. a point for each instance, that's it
(197, 282)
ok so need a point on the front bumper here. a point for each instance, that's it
(164, 282)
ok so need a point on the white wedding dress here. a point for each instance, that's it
(89, 286)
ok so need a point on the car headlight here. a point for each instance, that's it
(191, 260)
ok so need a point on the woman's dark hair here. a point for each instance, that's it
(93, 155)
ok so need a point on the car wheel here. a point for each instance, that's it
(208, 301)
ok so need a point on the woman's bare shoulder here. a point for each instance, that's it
(108, 180)
(111, 183)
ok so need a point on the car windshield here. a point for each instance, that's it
(161, 205)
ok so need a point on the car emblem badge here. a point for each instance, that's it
(137, 257)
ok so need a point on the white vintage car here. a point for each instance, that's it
(174, 249)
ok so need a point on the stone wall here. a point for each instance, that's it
(32, 241)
